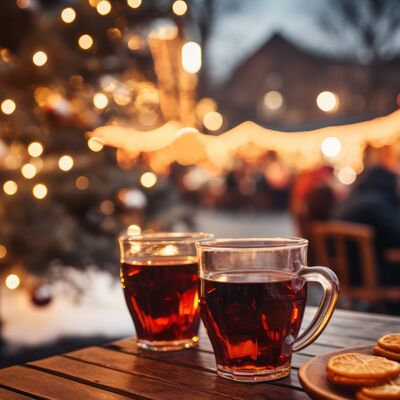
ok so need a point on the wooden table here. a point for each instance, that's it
(121, 370)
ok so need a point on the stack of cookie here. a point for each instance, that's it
(389, 346)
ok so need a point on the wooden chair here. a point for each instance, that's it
(335, 235)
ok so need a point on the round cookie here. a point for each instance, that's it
(353, 382)
(390, 390)
(357, 365)
(378, 350)
(390, 342)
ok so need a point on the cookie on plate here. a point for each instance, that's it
(390, 390)
(389, 346)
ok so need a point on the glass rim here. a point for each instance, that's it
(252, 244)
(165, 237)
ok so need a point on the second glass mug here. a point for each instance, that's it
(252, 298)
(160, 283)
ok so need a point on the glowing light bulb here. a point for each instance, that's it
(95, 144)
(179, 7)
(148, 179)
(85, 42)
(68, 15)
(100, 101)
(191, 57)
(347, 175)
(273, 100)
(103, 7)
(327, 101)
(35, 149)
(28, 171)
(8, 106)
(65, 163)
(39, 58)
(134, 3)
(213, 120)
(331, 146)
(82, 182)
(40, 191)
(12, 281)
(10, 187)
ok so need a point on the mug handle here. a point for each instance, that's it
(330, 284)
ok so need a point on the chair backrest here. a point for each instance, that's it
(339, 233)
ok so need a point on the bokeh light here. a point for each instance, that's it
(39, 191)
(331, 146)
(65, 163)
(28, 171)
(327, 101)
(39, 58)
(23, 4)
(10, 187)
(8, 106)
(179, 7)
(103, 7)
(347, 175)
(3, 251)
(148, 179)
(85, 42)
(82, 182)
(273, 100)
(68, 15)
(100, 101)
(12, 281)
(107, 207)
(134, 230)
(134, 3)
(191, 57)
(35, 149)
(95, 144)
(213, 120)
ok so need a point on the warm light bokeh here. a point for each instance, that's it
(8, 106)
(191, 57)
(12, 281)
(39, 191)
(327, 101)
(68, 15)
(85, 42)
(179, 7)
(39, 58)
(148, 179)
(10, 187)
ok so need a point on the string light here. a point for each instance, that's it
(10, 187)
(273, 100)
(28, 171)
(35, 149)
(213, 120)
(331, 146)
(8, 106)
(191, 57)
(12, 281)
(39, 191)
(39, 58)
(85, 42)
(68, 15)
(3, 251)
(100, 101)
(179, 7)
(82, 182)
(103, 7)
(148, 179)
(95, 144)
(65, 163)
(134, 3)
(327, 101)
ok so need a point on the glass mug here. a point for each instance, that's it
(252, 299)
(160, 283)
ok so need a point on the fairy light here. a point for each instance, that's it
(35, 149)
(134, 3)
(103, 7)
(39, 58)
(8, 106)
(327, 101)
(213, 120)
(179, 7)
(10, 187)
(12, 281)
(68, 15)
(191, 57)
(28, 171)
(331, 146)
(100, 101)
(3, 251)
(82, 182)
(65, 163)
(95, 144)
(85, 42)
(148, 179)
(39, 191)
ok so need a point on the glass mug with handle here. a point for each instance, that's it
(252, 298)
(160, 283)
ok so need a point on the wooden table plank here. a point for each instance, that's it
(51, 387)
(9, 395)
(194, 378)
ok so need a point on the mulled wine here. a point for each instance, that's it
(252, 318)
